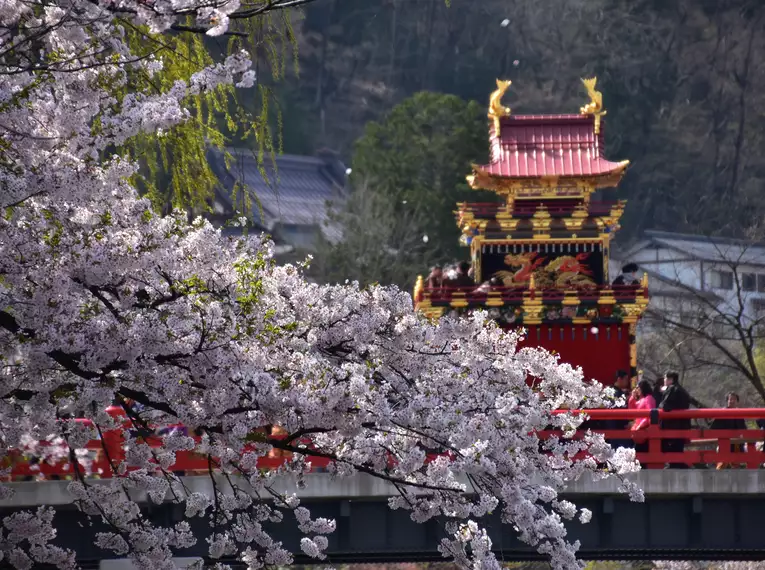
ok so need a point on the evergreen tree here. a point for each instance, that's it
(417, 158)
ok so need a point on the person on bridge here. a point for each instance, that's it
(642, 399)
(731, 401)
(621, 392)
(674, 398)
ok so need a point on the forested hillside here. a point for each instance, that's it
(683, 83)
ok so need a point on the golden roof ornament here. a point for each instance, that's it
(419, 287)
(595, 106)
(496, 110)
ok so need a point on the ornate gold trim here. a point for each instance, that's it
(541, 221)
(532, 305)
(485, 241)
(494, 299)
(549, 187)
(574, 224)
(633, 346)
(458, 300)
(633, 311)
(570, 298)
(606, 297)
(433, 313)
(510, 228)
(429, 311)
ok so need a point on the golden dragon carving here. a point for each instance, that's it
(496, 110)
(595, 106)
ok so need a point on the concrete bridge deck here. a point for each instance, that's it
(688, 514)
(319, 486)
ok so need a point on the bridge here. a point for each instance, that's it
(688, 514)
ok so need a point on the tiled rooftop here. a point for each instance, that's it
(296, 193)
(707, 248)
(548, 145)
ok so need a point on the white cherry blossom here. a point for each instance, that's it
(104, 302)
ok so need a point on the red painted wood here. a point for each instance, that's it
(107, 454)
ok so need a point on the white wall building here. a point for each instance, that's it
(693, 272)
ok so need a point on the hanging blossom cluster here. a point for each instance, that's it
(103, 302)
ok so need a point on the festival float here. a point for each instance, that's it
(540, 254)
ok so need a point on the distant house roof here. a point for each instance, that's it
(531, 146)
(295, 193)
(704, 248)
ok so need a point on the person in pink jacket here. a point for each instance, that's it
(641, 399)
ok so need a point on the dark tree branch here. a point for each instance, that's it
(201, 30)
(269, 6)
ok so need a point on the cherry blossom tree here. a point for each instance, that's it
(103, 301)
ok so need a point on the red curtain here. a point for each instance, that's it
(599, 354)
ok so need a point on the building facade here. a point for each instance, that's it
(701, 274)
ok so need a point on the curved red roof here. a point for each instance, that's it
(532, 146)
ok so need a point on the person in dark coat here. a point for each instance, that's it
(674, 398)
(731, 401)
(621, 392)
(628, 275)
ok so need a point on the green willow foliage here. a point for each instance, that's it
(175, 172)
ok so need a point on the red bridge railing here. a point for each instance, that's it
(704, 446)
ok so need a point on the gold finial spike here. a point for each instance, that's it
(532, 282)
(644, 281)
(595, 106)
(496, 110)
(419, 286)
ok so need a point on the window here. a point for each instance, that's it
(748, 281)
(761, 283)
(758, 306)
(722, 280)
